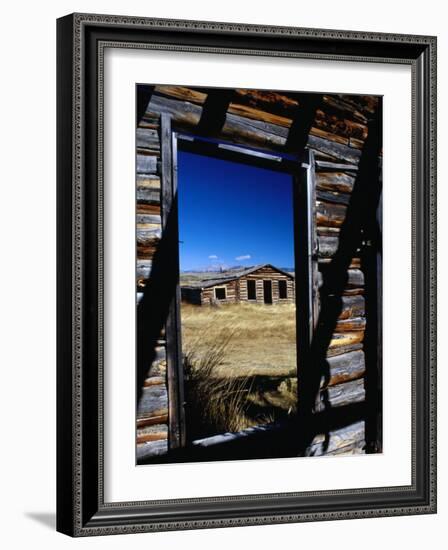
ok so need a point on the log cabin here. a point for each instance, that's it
(339, 136)
(260, 284)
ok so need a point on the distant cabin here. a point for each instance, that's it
(262, 284)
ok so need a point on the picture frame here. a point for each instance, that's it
(81, 506)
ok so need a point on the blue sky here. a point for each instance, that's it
(233, 214)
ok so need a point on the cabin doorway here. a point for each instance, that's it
(267, 291)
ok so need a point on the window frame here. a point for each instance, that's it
(254, 282)
(220, 288)
(284, 284)
(301, 168)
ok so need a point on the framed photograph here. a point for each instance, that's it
(246, 274)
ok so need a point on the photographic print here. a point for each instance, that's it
(258, 274)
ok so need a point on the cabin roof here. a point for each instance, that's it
(226, 278)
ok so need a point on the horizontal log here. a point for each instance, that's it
(145, 208)
(352, 306)
(151, 449)
(327, 119)
(154, 381)
(334, 182)
(337, 198)
(353, 448)
(156, 436)
(153, 398)
(182, 93)
(257, 114)
(146, 164)
(326, 231)
(357, 143)
(332, 166)
(151, 210)
(335, 440)
(343, 368)
(184, 113)
(344, 108)
(148, 181)
(154, 219)
(351, 324)
(335, 150)
(367, 104)
(346, 339)
(327, 246)
(143, 268)
(147, 138)
(152, 421)
(271, 102)
(242, 130)
(340, 350)
(341, 395)
(148, 196)
(330, 136)
(329, 214)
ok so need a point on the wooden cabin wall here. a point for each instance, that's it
(152, 407)
(335, 129)
(232, 294)
(259, 276)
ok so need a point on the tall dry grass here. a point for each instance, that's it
(225, 350)
(214, 404)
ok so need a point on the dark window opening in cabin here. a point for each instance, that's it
(282, 290)
(267, 292)
(220, 293)
(251, 290)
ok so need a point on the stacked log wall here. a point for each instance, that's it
(152, 407)
(337, 133)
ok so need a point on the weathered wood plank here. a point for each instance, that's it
(351, 324)
(148, 181)
(257, 114)
(335, 182)
(352, 306)
(334, 352)
(330, 136)
(182, 93)
(152, 420)
(271, 102)
(151, 449)
(344, 368)
(335, 150)
(346, 339)
(143, 268)
(341, 395)
(344, 107)
(337, 439)
(153, 399)
(355, 279)
(156, 436)
(332, 166)
(329, 214)
(154, 381)
(146, 164)
(147, 138)
(337, 198)
(238, 130)
(183, 113)
(328, 246)
(328, 120)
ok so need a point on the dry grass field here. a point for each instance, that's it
(240, 365)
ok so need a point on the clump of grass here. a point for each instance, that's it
(215, 404)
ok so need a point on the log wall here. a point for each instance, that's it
(336, 130)
(152, 407)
